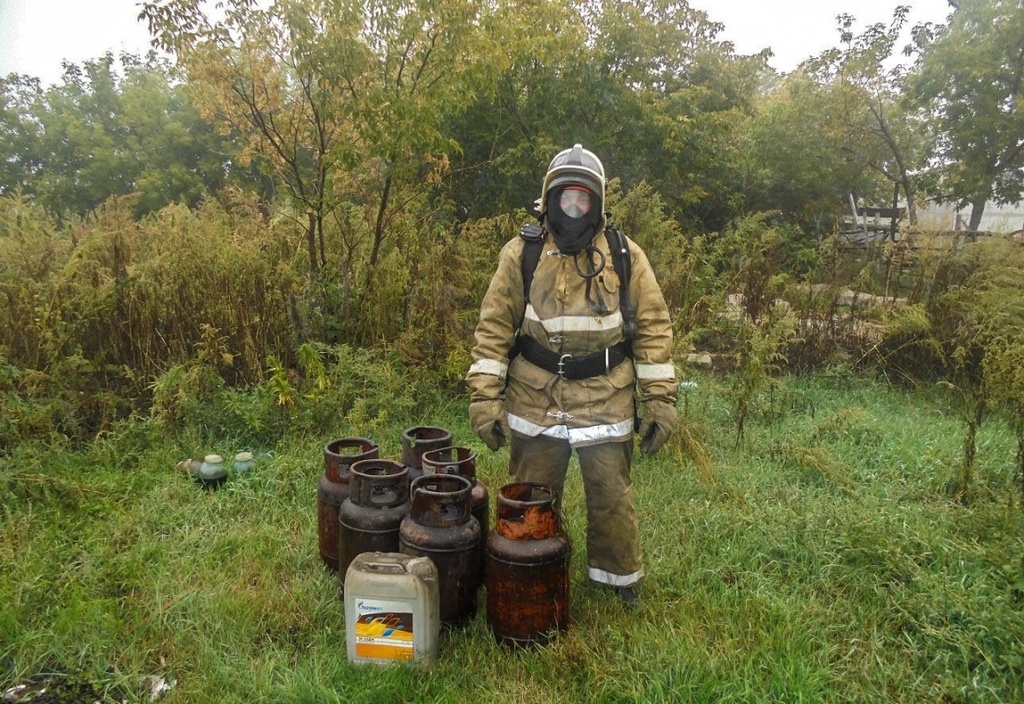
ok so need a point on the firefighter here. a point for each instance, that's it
(564, 365)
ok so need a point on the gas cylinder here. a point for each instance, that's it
(441, 526)
(527, 567)
(332, 490)
(462, 461)
(370, 517)
(420, 439)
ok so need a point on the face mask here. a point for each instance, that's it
(573, 225)
(574, 201)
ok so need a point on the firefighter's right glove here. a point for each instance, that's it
(657, 425)
(488, 421)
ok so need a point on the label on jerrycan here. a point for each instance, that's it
(383, 630)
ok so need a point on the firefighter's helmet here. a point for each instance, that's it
(576, 166)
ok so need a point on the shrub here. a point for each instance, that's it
(908, 351)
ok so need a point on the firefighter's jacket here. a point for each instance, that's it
(585, 411)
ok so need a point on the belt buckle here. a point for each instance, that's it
(561, 364)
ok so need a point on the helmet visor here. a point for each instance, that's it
(575, 201)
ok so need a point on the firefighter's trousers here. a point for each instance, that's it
(614, 556)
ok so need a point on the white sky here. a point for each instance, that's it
(37, 35)
(799, 29)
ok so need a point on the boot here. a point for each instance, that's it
(629, 597)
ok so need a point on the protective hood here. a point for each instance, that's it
(572, 234)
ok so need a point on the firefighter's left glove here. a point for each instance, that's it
(488, 421)
(656, 425)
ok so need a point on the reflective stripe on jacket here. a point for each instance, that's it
(559, 316)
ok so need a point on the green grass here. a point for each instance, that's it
(821, 561)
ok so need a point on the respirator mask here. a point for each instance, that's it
(573, 217)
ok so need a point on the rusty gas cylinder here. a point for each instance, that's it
(370, 517)
(420, 439)
(332, 490)
(462, 461)
(441, 526)
(527, 567)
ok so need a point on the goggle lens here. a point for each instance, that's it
(575, 202)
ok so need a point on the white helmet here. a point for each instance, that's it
(576, 166)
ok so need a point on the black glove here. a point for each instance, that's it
(487, 419)
(657, 425)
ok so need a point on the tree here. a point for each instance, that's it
(798, 157)
(20, 154)
(243, 73)
(341, 101)
(179, 156)
(83, 143)
(109, 128)
(971, 75)
(507, 135)
(691, 97)
(643, 84)
(882, 128)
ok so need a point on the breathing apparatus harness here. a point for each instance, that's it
(567, 366)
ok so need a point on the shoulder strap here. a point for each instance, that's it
(533, 244)
(619, 247)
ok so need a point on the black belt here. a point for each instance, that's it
(569, 367)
